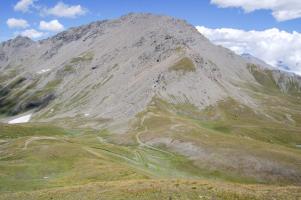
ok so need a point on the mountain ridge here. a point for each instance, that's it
(96, 29)
(160, 39)
(157, 95)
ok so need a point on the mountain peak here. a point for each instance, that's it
(138, 21)
(18, 42)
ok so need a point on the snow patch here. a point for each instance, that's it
(20, 120)
(43, 71)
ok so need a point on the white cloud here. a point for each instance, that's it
(64, 10)
(23, 5)
(282, 10)
(53, 26)
(271, 45)
(32, 33)
(17, 23)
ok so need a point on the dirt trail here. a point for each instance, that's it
(147, 145)
(32, 139)
(90, 150)
(256, 126)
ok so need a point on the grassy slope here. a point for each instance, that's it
(229, 146)
(44, 157)
(161, 189)
(60, 164)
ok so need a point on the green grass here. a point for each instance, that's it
(184, 65)
(161, 189)
(49, 89)
(8, 75)
(264, 77)
(16, 131)
(270, 85)
(9, 95)
(231, 135)
(77, 161)
(21, 95)
(64, 159)
(85, 57)
(68, 69)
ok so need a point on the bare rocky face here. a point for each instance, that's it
(114, 68)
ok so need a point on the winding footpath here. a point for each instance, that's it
(32, 139)
(142, 144)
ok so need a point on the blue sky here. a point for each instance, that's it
(197, 12)
(278, 18)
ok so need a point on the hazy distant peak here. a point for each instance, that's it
(18, 41)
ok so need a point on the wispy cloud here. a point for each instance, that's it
(24, 5)
(282, 10)
(63, 10)
(32, 33)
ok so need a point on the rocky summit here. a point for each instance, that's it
(145, 101)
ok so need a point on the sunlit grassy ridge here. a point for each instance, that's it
(44, 157)
(227, 141)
